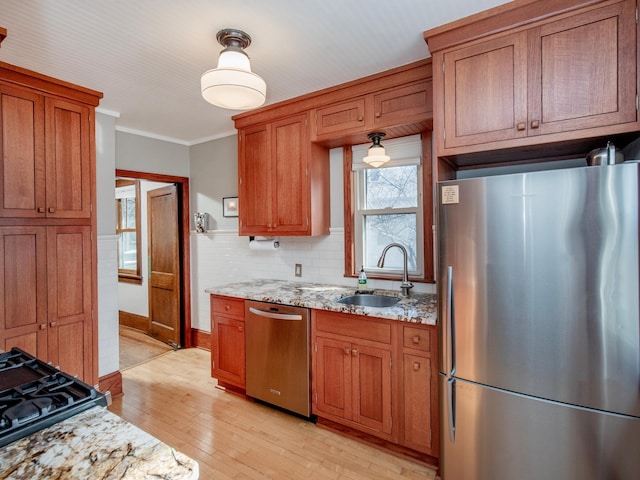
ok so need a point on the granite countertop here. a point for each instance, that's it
(417, 308)
(93, 444)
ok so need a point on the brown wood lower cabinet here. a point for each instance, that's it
(46, 295)
(227, 341)
(378, 377)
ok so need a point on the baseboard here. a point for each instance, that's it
(132, 320)
(111, 382)
(201, 339)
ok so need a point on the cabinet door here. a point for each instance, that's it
(228, 354)
(22, 162)
(337, 118)
(256, 181)
(70, 333)
(597, 87)
(485, 92)
(372, 387)
(332, 377)
(23, 287)
(402, 105)
(416, 400)
(68, 159)
(290, 146)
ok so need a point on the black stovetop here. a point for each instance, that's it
(35, 395)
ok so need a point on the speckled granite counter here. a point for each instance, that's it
(93, 444)
(417, 308)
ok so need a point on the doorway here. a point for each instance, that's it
(168, 274)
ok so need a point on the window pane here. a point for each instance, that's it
(130, 220)
(394, 187)
(381, 230)
(127, 258)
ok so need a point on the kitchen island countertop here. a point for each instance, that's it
(93, 444)
(417, 308)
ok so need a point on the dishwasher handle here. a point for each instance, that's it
(277, 316)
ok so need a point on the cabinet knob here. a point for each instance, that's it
(241, 329)
(227, 307)
(41, 209)
(354, 352)
(42, 326)
(347, 350)
(53, 324)
(360, 118)
(416, 339)
(535, 124)
(52, 210)
(378, 114)
(416, 366)
(521, 126)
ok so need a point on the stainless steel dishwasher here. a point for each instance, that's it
(278, 355)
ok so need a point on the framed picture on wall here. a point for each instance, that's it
(230, 206)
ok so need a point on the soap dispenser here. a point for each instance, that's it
(362, 280)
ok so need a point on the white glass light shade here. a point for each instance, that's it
(376, 157)
(232, 84)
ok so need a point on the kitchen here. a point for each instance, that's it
(209, 251)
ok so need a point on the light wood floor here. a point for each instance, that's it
(137, 348)
(173, 398)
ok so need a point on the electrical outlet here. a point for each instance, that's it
(298, 269)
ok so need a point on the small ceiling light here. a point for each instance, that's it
(376, 155)
(232, 84)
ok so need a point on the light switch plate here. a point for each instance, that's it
(298, 269)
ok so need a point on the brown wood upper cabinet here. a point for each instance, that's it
(283, 179)
(566, 76)
(45, 156)
(388, 108)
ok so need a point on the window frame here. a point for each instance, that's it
(129, 275)
(351, 267)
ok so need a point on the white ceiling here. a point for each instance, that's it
(147, 56)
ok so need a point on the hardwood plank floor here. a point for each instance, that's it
(174, 398)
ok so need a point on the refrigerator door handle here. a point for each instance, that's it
(449, 323)
(451, 408)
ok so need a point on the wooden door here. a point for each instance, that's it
(23, 289)
(22, 153)
(372, 387)
(597, 87)
(485, 92)
(256, 180)
(332, 377)
(164, 265)
(68, 159)
(292, 188)
(70, 329)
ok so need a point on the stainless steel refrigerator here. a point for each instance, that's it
(538, 286)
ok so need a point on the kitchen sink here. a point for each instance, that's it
(370, 300)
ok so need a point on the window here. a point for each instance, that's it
(127, 230)
(388, 207)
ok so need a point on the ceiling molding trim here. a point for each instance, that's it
(151, 135)
(213, 137)
(111, 113)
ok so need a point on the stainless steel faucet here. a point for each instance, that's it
(406, 285)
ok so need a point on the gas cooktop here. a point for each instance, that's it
(35, 395)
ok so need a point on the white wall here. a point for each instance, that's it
(108, 352)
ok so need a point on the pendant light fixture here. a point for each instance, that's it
(376, 155)
(232, 84)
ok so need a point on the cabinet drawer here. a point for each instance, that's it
(352, 326)
(418, 338)
(339, 117)
(230, 307)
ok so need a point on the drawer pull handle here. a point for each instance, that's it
(521, 126)
(535, 124)
(416, 366)
(416, 339)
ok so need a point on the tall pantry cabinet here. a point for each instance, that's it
(48, 286)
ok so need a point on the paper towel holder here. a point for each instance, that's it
(276, 243)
